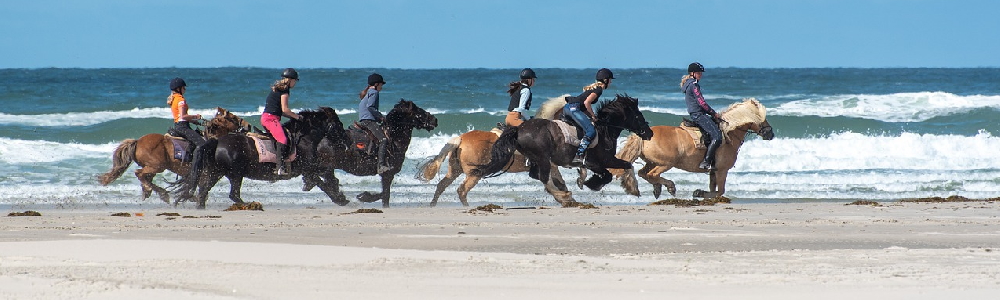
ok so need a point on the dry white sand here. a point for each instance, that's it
(730, 251)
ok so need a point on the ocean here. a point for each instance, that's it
(875, 134)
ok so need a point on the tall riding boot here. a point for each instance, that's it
(283, 151)
(579, 158)
(383, 166)
(709, 162)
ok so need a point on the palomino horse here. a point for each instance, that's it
(155, 153)
(472, 149)
(336, 151)
(674, 147)
(543, 142)
(235, 157)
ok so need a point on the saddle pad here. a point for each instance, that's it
(569, 134)
(180, 147)
(695, 133)
(265, 152)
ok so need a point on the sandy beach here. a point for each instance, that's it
(824, 250)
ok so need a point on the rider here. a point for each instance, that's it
(371, 118)
(275, 107)
(520, 98)
(179, 107)
(581, 109)
(702, 114)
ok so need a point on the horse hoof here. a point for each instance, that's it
(698, 194)
(657, 190)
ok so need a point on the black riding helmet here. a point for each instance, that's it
(528, 73)
(290, 73)
(696, 67)
(604, 73)
(176, 83)
(375, 78)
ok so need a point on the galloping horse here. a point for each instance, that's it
(235, 157)
(335, 151)
(674, 147)
(154, 152)
(472, 149)
(543, 142)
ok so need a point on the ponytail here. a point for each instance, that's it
(684, 79)
(595, 85)
(364, 93)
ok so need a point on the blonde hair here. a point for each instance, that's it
(685, 78)
(595, 85)
(364, 92)
(282, 85)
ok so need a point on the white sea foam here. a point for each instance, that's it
(900, 107)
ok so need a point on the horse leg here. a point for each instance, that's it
(628, 181)
(651, 174)
(331, 186)
(467, 185)
(600, 178)
(583, 175)
(544, 168)
(454, 169)
(309, 181)
(557, 188)
(205, 184)
(716, 184)
(235, 185)
(146, 175)
(386, 187)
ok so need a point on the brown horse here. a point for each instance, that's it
(472, 149)
(154, 153)
(674, 147)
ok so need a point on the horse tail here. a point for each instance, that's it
(631, 150)
(429, 169)
(184, 188)
(500, 155)
(122, 158)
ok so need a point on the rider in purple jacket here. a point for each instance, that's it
(702, 114)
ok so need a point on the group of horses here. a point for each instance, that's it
(538, 146)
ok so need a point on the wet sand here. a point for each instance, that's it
(824, 250)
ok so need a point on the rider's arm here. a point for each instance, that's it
(588, 104)
(525, 93)
(284, 108)
(696, 89)
(184, 113)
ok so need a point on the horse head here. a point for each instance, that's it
(749, 116)
(624, 112)
(224, 123)
(407, 115)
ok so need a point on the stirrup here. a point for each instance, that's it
(579, 159)
(706, 165)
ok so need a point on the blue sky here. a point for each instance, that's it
(499, 34)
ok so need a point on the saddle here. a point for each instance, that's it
(572, 133)
(183, 150)
(700, 138)
(362, 138)
(267, 150)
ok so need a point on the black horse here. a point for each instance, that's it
(336, 151)
(234, 156)
(542, 142)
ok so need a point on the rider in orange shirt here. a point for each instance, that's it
(179, 107)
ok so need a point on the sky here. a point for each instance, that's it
(499, 34)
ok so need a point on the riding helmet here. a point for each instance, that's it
(290, 73)
(375, 78)
(177, 83)
(604, 73)
(696, 67)
(528, 73)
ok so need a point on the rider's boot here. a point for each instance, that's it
(283, 151)
(579, 158)
(383, 166)
(709, 162)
